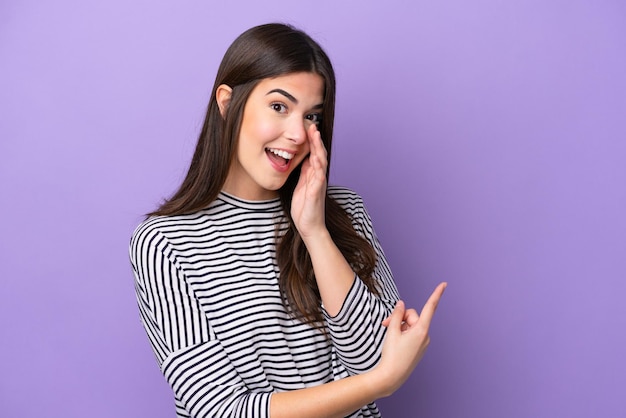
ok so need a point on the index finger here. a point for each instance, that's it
(431, 304)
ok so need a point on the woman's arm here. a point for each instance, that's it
(333, 274)
(405, 344)
(356, 332)
(193, 361)
(334, 399)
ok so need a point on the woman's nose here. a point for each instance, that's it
(296, 131)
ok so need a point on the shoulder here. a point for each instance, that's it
(341, 193)
(353, 205)
(158, 230)
(348, 199)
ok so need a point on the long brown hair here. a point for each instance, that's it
(261, 52)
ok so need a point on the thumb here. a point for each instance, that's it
(396, 317)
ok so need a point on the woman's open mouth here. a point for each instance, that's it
(280, 159)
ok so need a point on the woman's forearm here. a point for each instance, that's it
(405, 344)
(333, 274)
(334, 399)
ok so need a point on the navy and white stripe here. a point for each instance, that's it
(208, 295)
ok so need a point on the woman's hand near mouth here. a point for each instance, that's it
(309, 196)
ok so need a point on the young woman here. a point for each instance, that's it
(264, 292)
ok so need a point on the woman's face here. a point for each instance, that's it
(273, 137)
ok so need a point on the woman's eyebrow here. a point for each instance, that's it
(290, 97)
(284, 93)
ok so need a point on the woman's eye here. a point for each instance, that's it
(279, 107)
(314, 117)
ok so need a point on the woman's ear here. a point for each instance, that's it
(222, 95)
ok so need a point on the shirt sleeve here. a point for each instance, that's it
(356, 331)
(192, 360)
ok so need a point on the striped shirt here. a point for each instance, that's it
(209, 299)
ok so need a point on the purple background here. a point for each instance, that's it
(487, 137)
